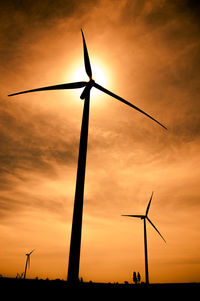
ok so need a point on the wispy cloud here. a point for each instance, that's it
(152, 49)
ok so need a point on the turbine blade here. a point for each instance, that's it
(156, 229)
(31, 251)
(55, 87)
(139, 216)
(85, 92)
(86, 58)
(149, 204)
(126, 102)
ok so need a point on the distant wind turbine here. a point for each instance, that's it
(75, 245)
(144, 217)
(27, 262)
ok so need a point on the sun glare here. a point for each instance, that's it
(97, 74)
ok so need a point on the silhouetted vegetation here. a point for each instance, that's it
(60, 288)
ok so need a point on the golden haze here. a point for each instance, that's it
(149, 52)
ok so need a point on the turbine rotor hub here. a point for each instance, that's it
(91, 82)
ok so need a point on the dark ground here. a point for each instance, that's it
(56, 289)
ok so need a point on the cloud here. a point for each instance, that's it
(152, 50)
(33, 141)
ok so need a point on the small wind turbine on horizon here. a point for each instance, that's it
(75, 244)
(145, 217)
(27, 265)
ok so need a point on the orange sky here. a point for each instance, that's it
(149, 52)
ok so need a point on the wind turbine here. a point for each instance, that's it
(144, 217)
(75, 244)
(27, 262)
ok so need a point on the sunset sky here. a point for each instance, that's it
(148, 52)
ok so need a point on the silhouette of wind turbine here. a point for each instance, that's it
(27, 262)
(74, 255)
(144, 217)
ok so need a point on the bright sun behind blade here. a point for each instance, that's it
(97, 74)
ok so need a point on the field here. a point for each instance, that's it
(54, 289)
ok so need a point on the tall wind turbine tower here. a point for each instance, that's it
(75, 245)
(144, 218)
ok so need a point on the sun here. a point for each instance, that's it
(97, 73)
